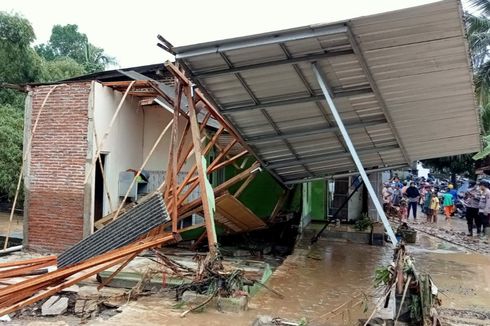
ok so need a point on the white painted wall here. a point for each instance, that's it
(124, 143)
(156, 118)
(131, 138)
(355, 203)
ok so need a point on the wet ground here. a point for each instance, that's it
(462, 276)
(16, 227)
(316, 280)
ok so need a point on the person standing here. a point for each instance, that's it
(426, 201)
(484, 209)
(447, 204)
(396, 195)
(413, 196)
(472, 202)
(454, 193)
(386, 194)
(428, 209)
(404, 188)
(434, 207)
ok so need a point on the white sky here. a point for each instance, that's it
(127, 29)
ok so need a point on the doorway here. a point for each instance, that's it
(99, 188)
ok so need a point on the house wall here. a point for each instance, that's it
(125, 141)
(157, 118)
(261, 195)
(55, 167)
(131, 138)
(318, 200)
(355, 203)
(58, 204)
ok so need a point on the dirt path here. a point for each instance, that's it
(453, 232)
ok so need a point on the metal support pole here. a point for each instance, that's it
(322, 82)
(317, 236)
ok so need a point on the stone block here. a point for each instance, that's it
(54, 306)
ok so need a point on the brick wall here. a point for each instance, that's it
(56, 168)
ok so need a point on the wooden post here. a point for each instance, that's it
(175, 155)
(196, 140)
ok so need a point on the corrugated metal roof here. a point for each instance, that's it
(401, 82)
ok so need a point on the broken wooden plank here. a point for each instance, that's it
(238, 216)
(28, 261)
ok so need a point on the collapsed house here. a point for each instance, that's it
(251, 115)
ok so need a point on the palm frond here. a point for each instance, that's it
(481, 5)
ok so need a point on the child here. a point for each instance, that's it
(434, 207)
(427, 199)
(447, 204)
(403, 211)
(428, 206)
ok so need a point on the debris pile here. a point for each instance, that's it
(415, 295)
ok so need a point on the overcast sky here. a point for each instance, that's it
(127, 30)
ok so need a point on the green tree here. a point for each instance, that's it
(18, 62)
(61, 69)
(11, 137)
(478, 32)
(452, 165)
(21, 64)
(68, 42)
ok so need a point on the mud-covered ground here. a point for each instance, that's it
(316, 280)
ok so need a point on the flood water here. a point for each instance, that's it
(317, 280)
(314, 281)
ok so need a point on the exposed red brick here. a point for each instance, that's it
(57, 167)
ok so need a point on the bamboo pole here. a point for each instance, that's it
(24, 158)
(222, 187)
(119, 269)
(108, 130)
(194, 167)
(244, 185)
(164, 131)
(211, 168)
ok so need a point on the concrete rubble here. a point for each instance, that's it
(54, 306)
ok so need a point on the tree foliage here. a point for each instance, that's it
(478, 31)
(67, 54)
(18, 61)
(11, 136)
(68, 42)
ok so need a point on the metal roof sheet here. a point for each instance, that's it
(401, 82)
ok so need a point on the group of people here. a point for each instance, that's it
(477, 202)
(402, 198)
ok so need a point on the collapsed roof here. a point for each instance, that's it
(401, 81)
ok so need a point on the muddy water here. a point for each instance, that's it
(463, 279)
(317, 280)
(313, 282)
